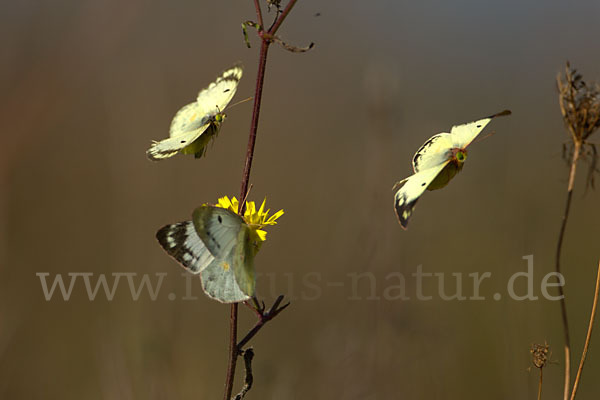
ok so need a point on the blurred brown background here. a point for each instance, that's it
(86, 85)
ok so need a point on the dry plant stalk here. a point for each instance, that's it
(540, 354)
(588, 337)
(580, 108)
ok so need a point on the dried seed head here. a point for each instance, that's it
(580, 107)
(540, 353)
(579, 104)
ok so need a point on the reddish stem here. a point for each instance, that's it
(233, 353)
(262, 63)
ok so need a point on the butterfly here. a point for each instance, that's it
(436, 162)
(195, 124)
(216, 244)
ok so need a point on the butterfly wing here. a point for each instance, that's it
(435, 151)
(181, 241)
(410, 189)
(218, 94)
(243, 261)
(219, 282)
(230, 277)
(187, 126)
(463, 135)
(218, 228)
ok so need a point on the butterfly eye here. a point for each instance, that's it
(461, 156)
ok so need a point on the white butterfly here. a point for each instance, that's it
(216, 244)
(435, 164)
(197, 123)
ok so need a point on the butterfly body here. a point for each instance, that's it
(446, 174)
(199, 146)
(436, 162)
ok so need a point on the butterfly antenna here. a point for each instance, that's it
(484, 137)
(241, 101)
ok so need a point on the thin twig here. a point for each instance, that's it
(283, 15)
(258, 12)
(265, 317)
(248, 356)
(563, 305)
(588, 336)
(290, 48)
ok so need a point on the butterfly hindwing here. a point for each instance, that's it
(169, 147)
(219, 282)
(243, 261)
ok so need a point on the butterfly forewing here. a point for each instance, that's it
(182, 243)
(435, 151)
(218, 94)
(187, 120)
(463, 135)
(218, 228)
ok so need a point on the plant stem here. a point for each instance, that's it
(233, 352)
(540, 384)
(563, 306)
(576, 154)
(233, 347)
(262, 63)
(588, 336)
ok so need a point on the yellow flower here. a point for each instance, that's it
(255, 219)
